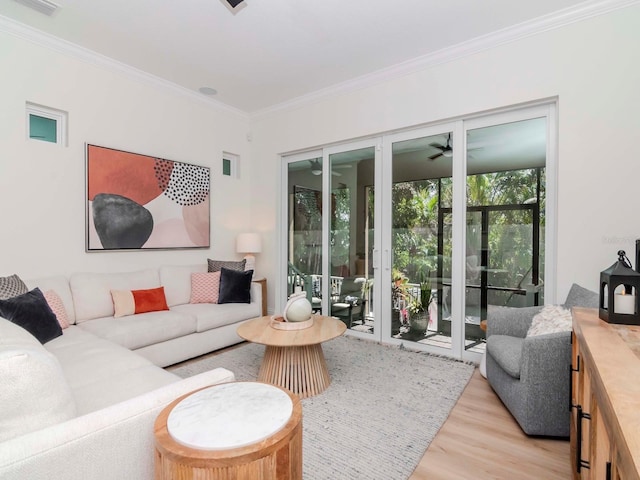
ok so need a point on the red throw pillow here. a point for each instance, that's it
(127, 302)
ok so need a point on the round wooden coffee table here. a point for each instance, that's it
(293, 359)
(239, 430)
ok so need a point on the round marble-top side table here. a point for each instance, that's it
(239, 430)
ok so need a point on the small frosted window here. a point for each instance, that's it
(46, 124)
(230, 163)
(42, 128)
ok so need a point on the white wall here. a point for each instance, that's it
(591, 66)
(42, 186)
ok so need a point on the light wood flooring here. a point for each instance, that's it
(481, 440)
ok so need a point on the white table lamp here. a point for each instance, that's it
(249, 243)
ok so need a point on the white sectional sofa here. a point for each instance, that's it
(82, 406)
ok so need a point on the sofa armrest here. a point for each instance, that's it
(256, 294)
(545, 358)
(115, 442)
(514, 322)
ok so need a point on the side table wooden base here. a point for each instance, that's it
(277, 457)
(300, 369)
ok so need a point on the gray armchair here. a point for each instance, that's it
(531, 374)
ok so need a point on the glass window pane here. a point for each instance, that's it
(351, 237)
(505, 221)
(42, 128)
(305, 229)
(421, 239)
(226, 167)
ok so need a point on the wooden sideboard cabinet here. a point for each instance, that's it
(605, 398)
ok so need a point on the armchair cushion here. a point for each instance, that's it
(507, 352)
(581, 297)
(511, 321)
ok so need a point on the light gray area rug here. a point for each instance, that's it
(375, 421)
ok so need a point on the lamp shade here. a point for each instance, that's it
(248, 243)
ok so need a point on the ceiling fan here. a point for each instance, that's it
(445, 150)
(316, 168)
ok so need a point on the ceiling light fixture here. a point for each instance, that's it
(316, 167)
(42, 6)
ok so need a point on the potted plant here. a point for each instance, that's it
(419, 305)
(400, 298)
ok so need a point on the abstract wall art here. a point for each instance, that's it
(139, 202)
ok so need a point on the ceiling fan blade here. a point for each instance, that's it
(433, 157)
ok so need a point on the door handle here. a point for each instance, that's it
(580, 463)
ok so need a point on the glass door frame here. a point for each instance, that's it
(281, 290)
(377, 236)
(387, 217)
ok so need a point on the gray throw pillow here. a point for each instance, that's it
(12, 286)
(217, 265)
(32, 312)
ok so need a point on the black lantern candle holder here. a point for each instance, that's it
(623, 307)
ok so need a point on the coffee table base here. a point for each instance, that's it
(301, 369)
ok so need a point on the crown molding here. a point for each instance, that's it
(25, 32)
(561, 18)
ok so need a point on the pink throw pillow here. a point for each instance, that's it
(55, 302)
(205, 287)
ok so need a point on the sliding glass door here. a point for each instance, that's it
(420, 187)
(331, 237)
(418, 236)
(465, 225)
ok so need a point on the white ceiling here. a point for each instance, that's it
(268, 52)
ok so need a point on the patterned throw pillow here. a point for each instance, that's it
(217, 265)
(129, 302)
(55, 302)
(12, 286)
(205, 287)
(551, 319)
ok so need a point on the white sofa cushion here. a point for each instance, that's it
(35, 393)
(176, 280)
(92, 291)
(210, 316)
(114, 443)
(142, 329)
(101, 373)
(60, 285)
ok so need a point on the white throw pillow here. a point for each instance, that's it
(551, 319)
(35, 393)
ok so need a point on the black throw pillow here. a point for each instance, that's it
(32, 312)
(235, 286)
